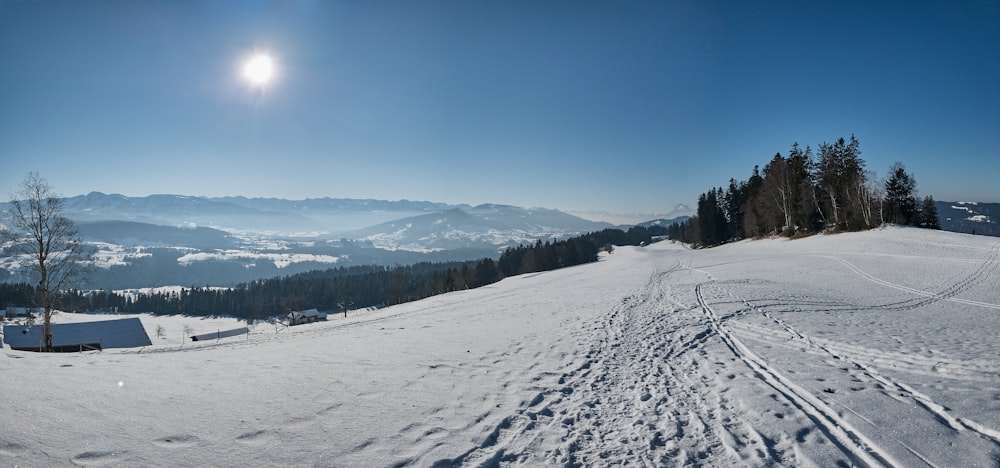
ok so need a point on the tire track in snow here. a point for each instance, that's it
(851, 441)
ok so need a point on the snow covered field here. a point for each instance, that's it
(873, 348)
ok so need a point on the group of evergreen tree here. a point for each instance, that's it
(344, 288)
(805, 193)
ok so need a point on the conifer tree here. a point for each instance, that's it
(839, 171)
(928, 214)
(753, 225)
(900, 195)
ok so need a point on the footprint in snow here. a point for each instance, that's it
(177, 441)
(364, 445)
(255, 438)
(96, 458)
(10, 449)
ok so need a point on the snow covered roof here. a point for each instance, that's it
(124, 333)
(307, 313)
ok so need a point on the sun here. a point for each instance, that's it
(259, 69)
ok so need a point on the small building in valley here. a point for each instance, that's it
(305, 316)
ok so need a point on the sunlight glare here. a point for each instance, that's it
(259, 70)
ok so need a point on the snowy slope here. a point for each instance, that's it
(874, 348)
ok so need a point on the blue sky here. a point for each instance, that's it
(611, 106)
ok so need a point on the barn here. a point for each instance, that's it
(305, 316)
(82, 336)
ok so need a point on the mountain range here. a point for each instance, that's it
(162, 240)
(328, 216)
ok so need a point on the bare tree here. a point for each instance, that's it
(38, 232)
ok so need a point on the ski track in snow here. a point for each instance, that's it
(987, 269)
(659, 356)
(586, 417)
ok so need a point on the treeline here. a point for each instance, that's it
(805, 193)
(575, 251)
(343, 288)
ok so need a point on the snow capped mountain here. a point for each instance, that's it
(664, 222)
(680, 210)
(494, 226)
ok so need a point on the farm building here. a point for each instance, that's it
(305, 316)
(83, 336)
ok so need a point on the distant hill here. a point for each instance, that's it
(164, 240)
(265, 215)
(630, 219)
(131, 233)
(970, 217)
(484, 225)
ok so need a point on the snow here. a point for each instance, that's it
(109, 255)
(873, 348)
(280, 260)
